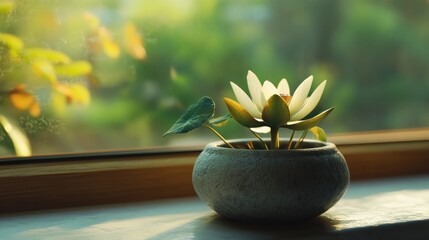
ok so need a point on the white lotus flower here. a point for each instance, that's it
(300, 105)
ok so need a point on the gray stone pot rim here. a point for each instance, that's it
(319, 147)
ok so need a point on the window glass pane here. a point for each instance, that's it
(144, 62)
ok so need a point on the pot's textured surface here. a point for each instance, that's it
(272, 185)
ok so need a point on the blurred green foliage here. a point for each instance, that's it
(374, 54)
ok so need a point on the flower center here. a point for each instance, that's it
(287, 98)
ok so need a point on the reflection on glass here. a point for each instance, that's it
(150, 59)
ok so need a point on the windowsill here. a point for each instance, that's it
(376, 209)
(130, 176)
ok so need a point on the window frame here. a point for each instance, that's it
(93, 178)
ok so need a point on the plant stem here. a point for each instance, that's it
(218, 134)
(301, 139)
(290, 140)
(275, 143)
(260, 139)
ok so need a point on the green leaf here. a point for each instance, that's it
(220, 121)
(11, 41)
(241, 115)
(46, 54)
(19, 139)
(308, 123)
(74, 69)
(319, 134)
(276, 112)
(195, 116)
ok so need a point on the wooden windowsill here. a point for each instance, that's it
(376, 209)
(116, 177)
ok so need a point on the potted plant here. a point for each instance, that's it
(271, 179)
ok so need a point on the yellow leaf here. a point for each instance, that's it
(76, 93)
(23, 100)
(11, 41)
(133, 42)
(49, 55)
(19, 139)
(319, 133)
(59, 103)
(45, 69)
(65, 91)
(35, 109)
(92, 20)
(110, 48)
(80, 94)
(74, 69)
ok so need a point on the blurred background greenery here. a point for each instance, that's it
(374, 54)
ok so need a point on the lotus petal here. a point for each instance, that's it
(239, 113)
(263, 129)
(245, 101)
(255, 87)
(308, 123)
(269, 89)
(263, 100)
(300, 95)
(283, 87)
(310, 103)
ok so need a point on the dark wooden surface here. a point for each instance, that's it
(377, 209)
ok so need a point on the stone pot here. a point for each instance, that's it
(270, 185)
